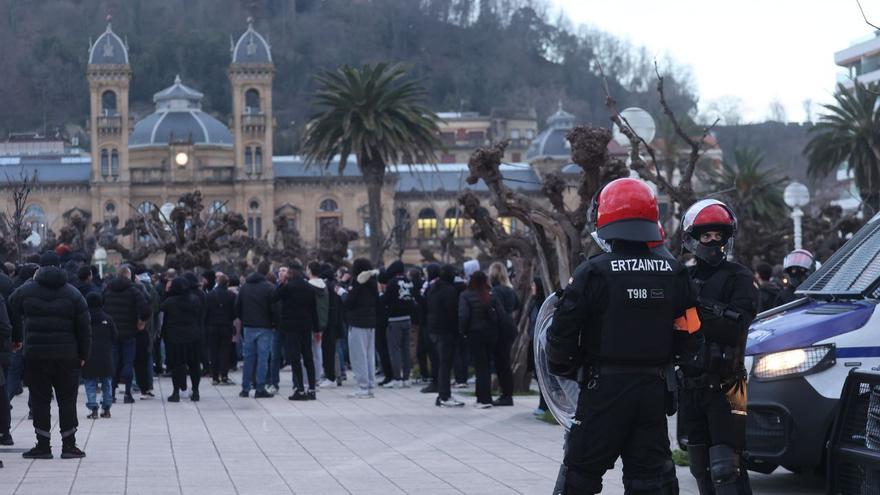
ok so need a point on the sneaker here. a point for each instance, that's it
(503, 401)
(431, 388)
(405, 383)
(72, 452)
(227, 381)
(272, 389)
(339, 382)
(263, 394)
(6, 439)
(538, 412)
(105, 414)
(328, 384)
(389, 384)
(450, 402)
(215, 382)
(244, 393)
(460, 385)
(298, 395)
(361, 394)
(483, 405)
(312, 395)
(175, 397)
(194, 396)
(39, 452)
(128, 399)
(147, 395)
(93, 414)
(385, 382)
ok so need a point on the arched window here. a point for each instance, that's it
(147, 207)
(105, 162)
(290, 214)
(253, 160)
(402, 226)
(108, 103)
(426, 224)
(252, 101)
(35, 219)
(218, 206)
(255, 219)
(509, 224)
(453, 221)
(114, 163)
(328, 205)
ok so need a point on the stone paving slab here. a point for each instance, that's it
(396, 443)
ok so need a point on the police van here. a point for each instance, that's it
(798, 356)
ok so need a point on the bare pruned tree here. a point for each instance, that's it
(12, 227)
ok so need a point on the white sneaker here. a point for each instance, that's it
(272, 389)
(391, 384)
(460, 385)
(405, 383)
(481, 405)
(450, 402)
(325, 383)
(361, 394)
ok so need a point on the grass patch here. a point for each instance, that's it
(547, 417)
(680, 458)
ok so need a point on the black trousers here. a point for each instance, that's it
(382, 349)
(624, 415)
(185, 359)
(444, 348)
(41, 377)
(481, 349)
(424, 353)
(461, 360)
(219, 342)
(328, 354)
(299, 347)
(5, 414)
(707, 420)
(502, 362)
(142, 353)
(158, 362)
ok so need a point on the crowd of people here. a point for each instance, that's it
(62, 325)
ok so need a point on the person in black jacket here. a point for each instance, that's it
(6, 288)
(52, 320)
(299, 320)
(419, 331)
(16, 363)
(220, 318)
(99, 367)
(335, 323)
(502, 290)
(442, 319)
(534, 307)
(479, 319)
(362, 305)
(182, 330)
(399, 303)
(127, 305)
(84, 281)
(253, 306)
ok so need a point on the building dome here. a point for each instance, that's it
(108, 49)
(551, 143)
(179, 118)
(251, 48)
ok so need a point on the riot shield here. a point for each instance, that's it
(561, 394)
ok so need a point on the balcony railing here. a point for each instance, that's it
(217, 174)
(148, 176)
(253, 123)
(109, 125)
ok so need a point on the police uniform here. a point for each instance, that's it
(712, 394)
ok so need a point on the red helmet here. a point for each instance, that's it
(654, 244)
(708, 215)
(626, 210)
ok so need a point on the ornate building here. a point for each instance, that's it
(139, 166)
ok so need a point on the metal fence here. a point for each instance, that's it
(854, 448)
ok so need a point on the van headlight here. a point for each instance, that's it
(794, 362)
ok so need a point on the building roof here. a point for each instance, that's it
(251, 47)
(49, 169)
(551, 142)
(108, 49)
(179, 118)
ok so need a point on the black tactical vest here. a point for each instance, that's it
(636, 327)
(718, 287)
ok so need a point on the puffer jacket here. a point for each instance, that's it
(441, 300)
(298, 305)
(476, 318)
(323, 303)
(183, 312)
(253, 305)
(100, 363)
(51, 317)
(127, 305)
(362, 303)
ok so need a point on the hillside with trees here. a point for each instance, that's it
(472, 55)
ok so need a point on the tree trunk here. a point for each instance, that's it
(374, 175)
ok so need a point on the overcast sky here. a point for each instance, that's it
(758, 50)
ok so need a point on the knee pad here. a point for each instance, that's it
(571, 482)
(698, 455)
(724, 465)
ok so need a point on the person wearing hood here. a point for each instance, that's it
(322, 299)
(182, 330)
(362, 305)
(16, 362)
(220, 328)
(253, 306)
(51, 319)
(299, 320)
(197, 285)
(425, 349)
(479, 322)
(127, 305)
(99, 367)
(333, 329)
(5, 348)
(398, 302)
(442, 300)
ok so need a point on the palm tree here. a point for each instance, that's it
(849, 133)
(376, 115)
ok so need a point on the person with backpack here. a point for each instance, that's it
(399, 304)
(479, 319)
(99, 368)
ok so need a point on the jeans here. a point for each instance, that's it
(398, 348)
(362, 349)
(123, 356)
(275, 360)
(256, 346)
(13, 378)
(91, 385)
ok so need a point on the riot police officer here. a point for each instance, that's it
(613, 330)
(797, 266)
(712, 405)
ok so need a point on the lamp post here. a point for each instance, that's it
(796, 196)
(100, 259)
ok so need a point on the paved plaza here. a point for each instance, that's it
(396, 443)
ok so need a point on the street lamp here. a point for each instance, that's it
(100, 259)
(797, 195)
(641, 123)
